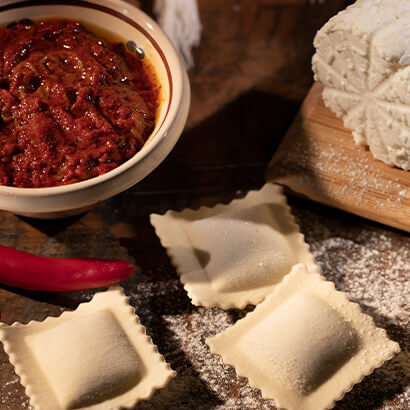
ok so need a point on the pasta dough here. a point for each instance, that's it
(97, 357)
(304, 340)
(305, 345)
(233, 255)
(97, 339)
(243, 249)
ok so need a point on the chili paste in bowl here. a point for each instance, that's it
(73, 105)
(83, 118)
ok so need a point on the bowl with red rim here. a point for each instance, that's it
(132, 26)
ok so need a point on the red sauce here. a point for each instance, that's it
(73, 106)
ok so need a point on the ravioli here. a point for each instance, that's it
(233, 255)
(97, 357)
(305, 345)
(244, 250)
(304, 341)
(87, 361)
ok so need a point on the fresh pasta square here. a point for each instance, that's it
(305, 345)
(96, 357)
(233, 255)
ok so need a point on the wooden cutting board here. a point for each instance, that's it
(318, 159)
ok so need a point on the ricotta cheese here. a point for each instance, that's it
(363, 60)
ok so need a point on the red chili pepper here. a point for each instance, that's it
(23, 270)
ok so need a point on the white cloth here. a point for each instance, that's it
(180, 21)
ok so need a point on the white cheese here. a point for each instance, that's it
(363, 60)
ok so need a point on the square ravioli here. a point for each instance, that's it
(306, 345)
(233, 255)
(96, 357)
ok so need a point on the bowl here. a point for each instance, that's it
(130, 24)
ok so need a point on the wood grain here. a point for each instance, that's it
(247, 44)
(318, 159)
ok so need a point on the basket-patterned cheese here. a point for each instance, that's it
(363, 60)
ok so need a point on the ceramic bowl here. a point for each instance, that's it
(130, 24)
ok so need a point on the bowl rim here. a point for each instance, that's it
(148, 28)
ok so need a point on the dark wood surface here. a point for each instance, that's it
(252, 72)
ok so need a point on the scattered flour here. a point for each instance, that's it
(363, 259)
(369, 262)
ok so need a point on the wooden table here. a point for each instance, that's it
(252, 72)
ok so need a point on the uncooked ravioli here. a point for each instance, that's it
(97, 340)
(241, 249)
